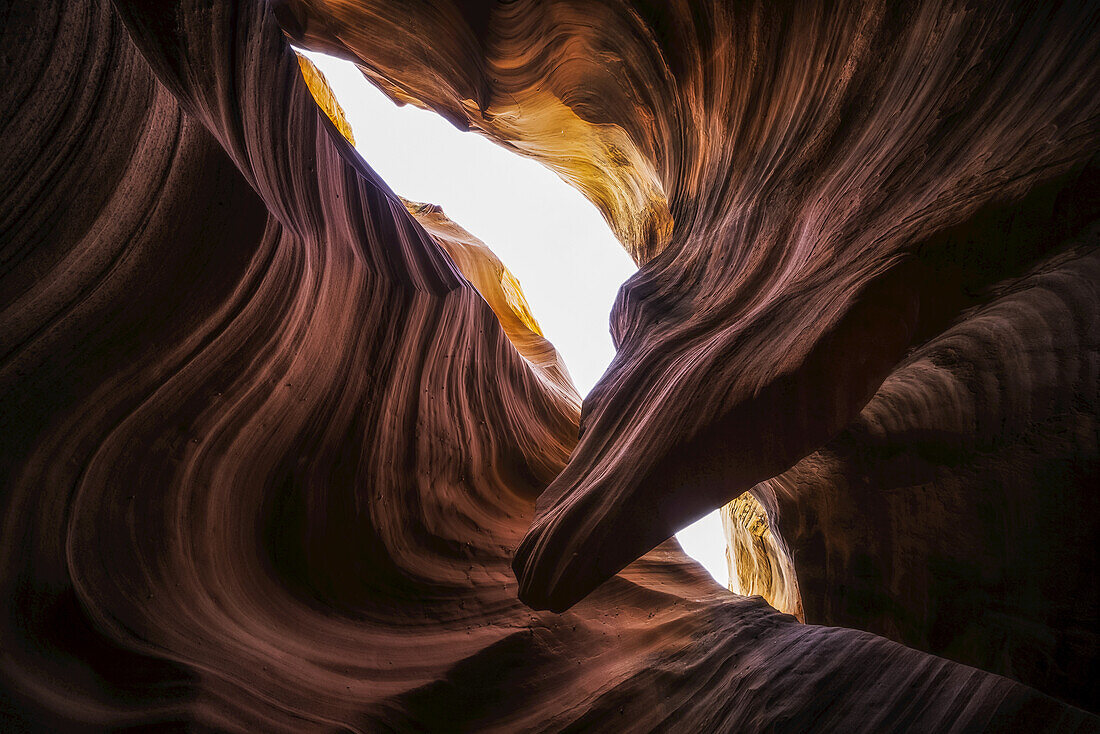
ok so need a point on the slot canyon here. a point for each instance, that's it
(282, 451)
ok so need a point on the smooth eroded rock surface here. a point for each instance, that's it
(274, 439)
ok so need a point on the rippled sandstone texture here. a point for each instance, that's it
(867, 202)
(268, 454)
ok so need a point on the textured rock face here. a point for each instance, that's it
(845, 185)
(759, 563)
(958, 512)
(272, 443)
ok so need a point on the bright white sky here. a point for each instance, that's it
(552, 239)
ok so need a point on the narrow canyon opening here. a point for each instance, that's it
(283, 450)
(553, 240)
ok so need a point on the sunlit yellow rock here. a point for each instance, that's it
(326, 100)
(758, 563)
(501, 290)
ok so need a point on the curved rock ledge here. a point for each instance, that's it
(833, 177)
(268, 454)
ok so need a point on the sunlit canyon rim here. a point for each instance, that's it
(280, 451)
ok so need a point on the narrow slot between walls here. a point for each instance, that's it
(555, 242)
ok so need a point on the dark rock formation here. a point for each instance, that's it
(958, 513)
(845, 185)
(267, 454)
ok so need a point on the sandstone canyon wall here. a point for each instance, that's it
(283, 452)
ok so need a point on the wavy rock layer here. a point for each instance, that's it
(267, 452)
(844, 184)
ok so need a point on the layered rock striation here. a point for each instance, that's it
(845, 185)
(274, 439)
